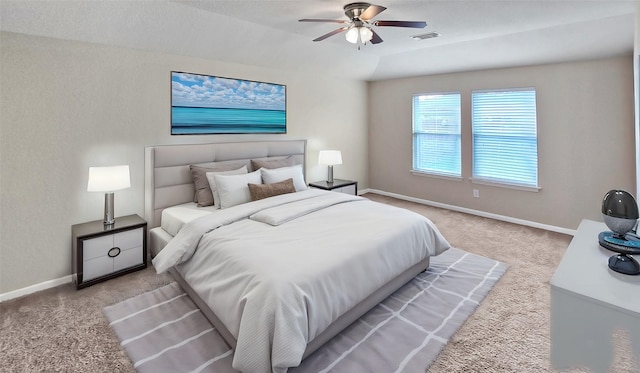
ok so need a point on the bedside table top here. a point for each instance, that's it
(337, 183)
(97, 226)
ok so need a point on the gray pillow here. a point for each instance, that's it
(261, 191)
(257, 164)
(203, 196)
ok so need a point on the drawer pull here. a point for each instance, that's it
(113, 252)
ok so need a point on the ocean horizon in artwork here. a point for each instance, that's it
(202, 104)
(189, 120)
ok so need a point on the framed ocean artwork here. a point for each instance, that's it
(203, 104)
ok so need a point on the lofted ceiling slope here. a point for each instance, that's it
(474, 34)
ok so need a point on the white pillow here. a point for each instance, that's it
(234, 189)
(212, 182)
(276, 175)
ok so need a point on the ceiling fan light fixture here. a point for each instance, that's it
(352, 35)
(365, 34)
(357, 27)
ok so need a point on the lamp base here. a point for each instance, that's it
(625, 264)
(109, 217)
(330, 174)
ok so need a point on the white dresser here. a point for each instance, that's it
(595, 312)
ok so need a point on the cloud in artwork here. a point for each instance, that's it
(196, 90)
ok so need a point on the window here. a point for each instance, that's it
(436, 134)
(505, 141)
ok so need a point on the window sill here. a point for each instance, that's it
(505, 185)
(437, 176)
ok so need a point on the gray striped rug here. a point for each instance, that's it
(163, 330)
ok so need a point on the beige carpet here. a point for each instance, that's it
(64, 330)
(509, 332)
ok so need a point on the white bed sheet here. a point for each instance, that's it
(175, 217)
(278, 271)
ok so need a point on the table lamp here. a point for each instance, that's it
(108, 180)
(330, 158)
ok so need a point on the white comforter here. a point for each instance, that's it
(278, 271)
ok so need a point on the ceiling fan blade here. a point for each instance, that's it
(322, 20)
(371, 11)
(414, 24)
(375, 39)
(330, 34)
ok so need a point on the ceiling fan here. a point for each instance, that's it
(358, 25)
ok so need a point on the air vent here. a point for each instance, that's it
(428, 35)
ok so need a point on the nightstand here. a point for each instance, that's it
(101, 252)
(338, 185)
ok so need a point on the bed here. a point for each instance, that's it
(280, 276)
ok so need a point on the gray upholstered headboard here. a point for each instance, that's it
(168, 180)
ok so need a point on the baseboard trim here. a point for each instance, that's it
(35, 288)
(484, 214)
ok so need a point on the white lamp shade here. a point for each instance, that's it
(108, 179)
(365, 34)
(352, 35)
(330, 157)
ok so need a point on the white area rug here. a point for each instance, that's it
(163, 330)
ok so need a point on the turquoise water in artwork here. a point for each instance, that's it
(202, 120)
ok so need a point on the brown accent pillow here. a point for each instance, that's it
(257, 164)
(203, 196)
(261, 191)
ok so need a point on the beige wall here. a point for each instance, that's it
(65, 106)
(585, 139)
(68, 105)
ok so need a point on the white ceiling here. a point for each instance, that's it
(475, 34)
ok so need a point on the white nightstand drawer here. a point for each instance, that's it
(128, 239)
(107, 254)
(96, 247)
(100, 246)
(128, 258)
(97, 267)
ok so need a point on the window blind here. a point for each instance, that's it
(505, 141)
(436, 134)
